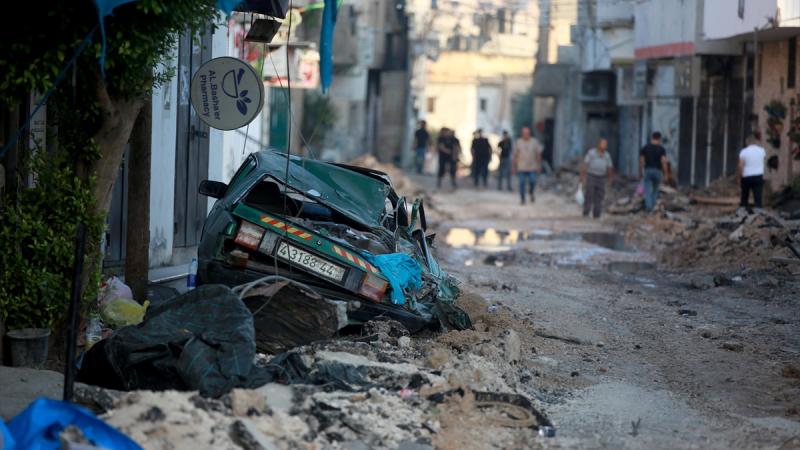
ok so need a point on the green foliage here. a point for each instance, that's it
(37, 225)
(37, 246)
(319, 117)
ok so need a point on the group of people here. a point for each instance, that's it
(523, 157)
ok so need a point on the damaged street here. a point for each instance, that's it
(400, 225)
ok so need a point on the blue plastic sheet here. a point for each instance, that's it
(38, 428)
(402, 271)
(326, 43)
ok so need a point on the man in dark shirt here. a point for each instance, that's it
(481, 156)
(504, 171)
(421, 141)
(448, 148)
(652, 168)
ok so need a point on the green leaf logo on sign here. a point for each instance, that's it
(227, 93)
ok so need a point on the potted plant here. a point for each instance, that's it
(37, 246)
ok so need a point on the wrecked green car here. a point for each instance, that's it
(323, 225)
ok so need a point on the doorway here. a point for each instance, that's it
(191, 149)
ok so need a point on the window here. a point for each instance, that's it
(741, 9)
(483, 104)
(791, 76)
(431, 104)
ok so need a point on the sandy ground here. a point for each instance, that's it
(635, 356)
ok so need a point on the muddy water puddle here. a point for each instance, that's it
(491, 239)
(591, 249)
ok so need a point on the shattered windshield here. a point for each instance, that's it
(358, 197)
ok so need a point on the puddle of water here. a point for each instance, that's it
(500, 240)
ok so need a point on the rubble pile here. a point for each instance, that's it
(754, 241)
(381, 390)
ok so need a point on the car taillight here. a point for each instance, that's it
(249, 235)
(373, 287)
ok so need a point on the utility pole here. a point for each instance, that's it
(137, 241)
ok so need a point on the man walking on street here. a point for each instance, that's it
(481, 156)
(505, 161)
(448, 147)
(652, 168)
(527, 162)
(421, 141)
(596, 170)
(751, 172)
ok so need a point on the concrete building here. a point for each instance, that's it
(369, 89)
(772, 28)
(473, 61)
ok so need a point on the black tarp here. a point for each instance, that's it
(202, 340)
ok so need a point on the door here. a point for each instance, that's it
(191, 149)
(117, 219)
(549, 140)
(278, 118)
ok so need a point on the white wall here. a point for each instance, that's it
(721, 19)
(661, 22)
(162, 171)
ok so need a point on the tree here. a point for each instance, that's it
(94, 109)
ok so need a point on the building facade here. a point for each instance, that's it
(472, 66)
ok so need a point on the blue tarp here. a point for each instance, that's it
(402, 271)
(326, 44)
(39, 426)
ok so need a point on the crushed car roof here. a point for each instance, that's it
(355, 195)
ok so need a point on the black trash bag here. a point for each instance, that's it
(202, 340)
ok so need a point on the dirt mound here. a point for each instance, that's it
(728, 243)
(400, 181)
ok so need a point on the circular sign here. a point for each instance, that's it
(227, 93)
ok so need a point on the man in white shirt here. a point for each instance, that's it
(751, 172)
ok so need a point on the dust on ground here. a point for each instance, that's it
(623, 331)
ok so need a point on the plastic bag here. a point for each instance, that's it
(640, 189)
(579, 195)
(114, 288)
(121, 312)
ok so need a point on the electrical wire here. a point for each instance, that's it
(288, 142)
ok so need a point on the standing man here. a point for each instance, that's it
(505, 161)
(597, 170)
(652, 167)
(481, 156)
(527, 162)
(751, 172)
(448, 147)
(421, 141)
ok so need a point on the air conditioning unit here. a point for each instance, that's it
(597, 87)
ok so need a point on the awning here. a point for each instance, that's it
(550, 80)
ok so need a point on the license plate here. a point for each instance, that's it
(310, 261)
